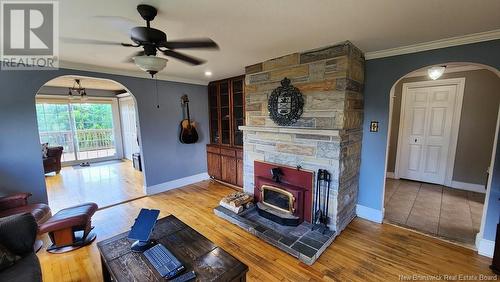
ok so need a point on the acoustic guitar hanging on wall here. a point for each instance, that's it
(188, 134)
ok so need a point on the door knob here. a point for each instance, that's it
(415, 140)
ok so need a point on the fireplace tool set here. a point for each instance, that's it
(320, 220)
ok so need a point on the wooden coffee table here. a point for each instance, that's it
(209, 262)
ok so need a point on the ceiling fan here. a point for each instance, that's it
(152, 40)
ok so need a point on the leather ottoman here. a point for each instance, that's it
(70, 228)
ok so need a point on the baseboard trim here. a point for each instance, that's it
(174, 184)
(468, 186)
(391, 175)
(370, 214)
(485, 247)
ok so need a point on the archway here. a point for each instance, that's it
(394, 133)
(91, 127)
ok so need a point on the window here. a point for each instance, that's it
(85, 130)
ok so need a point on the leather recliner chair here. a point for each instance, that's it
(52, 163)
(18, 203)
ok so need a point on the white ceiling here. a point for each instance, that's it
(251, 31)
(86, 82)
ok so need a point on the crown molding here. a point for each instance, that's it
(139, 74)
(436, 44)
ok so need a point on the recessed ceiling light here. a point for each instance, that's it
(208, 73)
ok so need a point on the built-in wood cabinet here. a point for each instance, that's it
(214, 162)
(225, 164)
(227, 113)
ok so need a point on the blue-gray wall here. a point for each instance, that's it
(165, 158)
(493, 209)
(381, 75)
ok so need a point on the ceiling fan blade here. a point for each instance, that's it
(90, 41)
(183, 57)
(191, 44)
(121, 24)
(130, 59)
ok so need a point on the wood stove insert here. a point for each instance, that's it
(277, 198)
(286, 198)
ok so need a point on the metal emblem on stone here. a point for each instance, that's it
(285, 104)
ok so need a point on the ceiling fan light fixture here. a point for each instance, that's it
(150, 64)
(436, 72)
(77, 90)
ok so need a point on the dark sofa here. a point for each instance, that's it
(17, 235)
(52, 163)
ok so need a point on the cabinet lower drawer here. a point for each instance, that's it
(213, 149)
(228, 152)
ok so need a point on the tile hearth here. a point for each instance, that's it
(300, 241)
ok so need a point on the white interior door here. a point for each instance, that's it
(129, 127)
(427, 118)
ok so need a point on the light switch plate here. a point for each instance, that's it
(374, 126)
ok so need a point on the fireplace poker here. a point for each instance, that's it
(324, 214)
(316, 197)
(321, 203)
(317, 203)
(328, 180)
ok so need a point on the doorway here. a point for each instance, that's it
(129, 126)
(84, 134)
(428, 130)
(440, 147)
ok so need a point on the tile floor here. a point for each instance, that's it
(434, 209)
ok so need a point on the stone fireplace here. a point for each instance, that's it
(327, 136)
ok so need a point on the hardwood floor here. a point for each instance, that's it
(105, 183)
(365, 251)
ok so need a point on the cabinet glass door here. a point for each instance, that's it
(238, 111)
(225, 114)
(214, 113)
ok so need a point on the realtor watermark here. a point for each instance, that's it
(448, 277)
(29, 35)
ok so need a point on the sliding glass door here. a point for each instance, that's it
(85, 130)
(54, 127)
